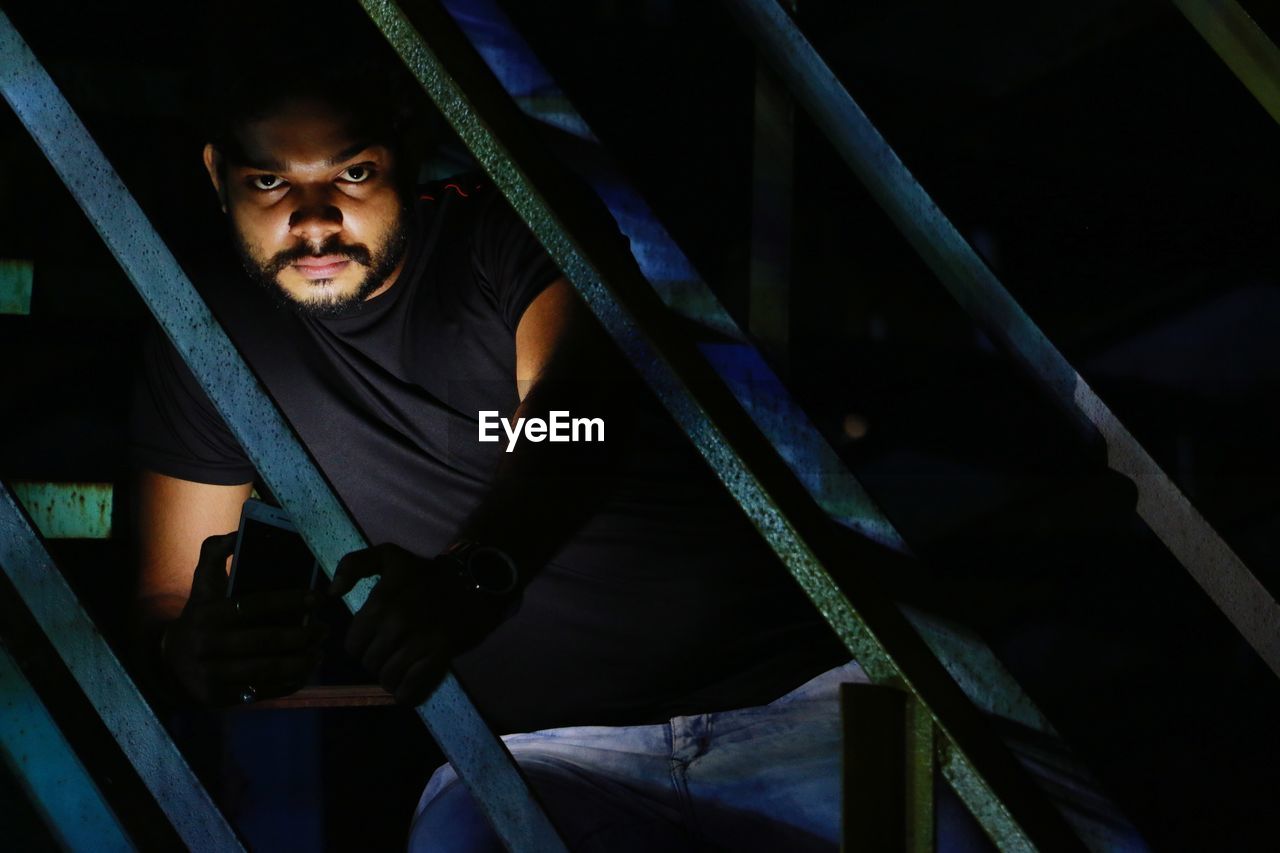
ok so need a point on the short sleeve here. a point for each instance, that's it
(174, 428)
(508, 260)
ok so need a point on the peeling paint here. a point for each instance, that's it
(68, 510)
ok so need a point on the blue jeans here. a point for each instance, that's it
(761, 778)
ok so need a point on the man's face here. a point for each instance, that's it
(314, 208)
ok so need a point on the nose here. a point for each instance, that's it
(315, 220)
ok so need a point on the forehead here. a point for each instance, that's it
(299, 133)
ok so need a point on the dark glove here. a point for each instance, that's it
(223, 651)
(420, 614)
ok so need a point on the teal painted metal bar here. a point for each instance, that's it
(488, 122)
(1241, 44)
(105, 682)
(15, 286)
(54, 779)
(1210, 561)
(481, 759)
(67, 510)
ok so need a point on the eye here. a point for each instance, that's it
(266, 182)
(356, 174)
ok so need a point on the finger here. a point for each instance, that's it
(390, 636)
(392, 673)
(353, 567)
(419, 681)
(210, 579)
(260, 642)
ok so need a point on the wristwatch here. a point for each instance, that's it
(485, 568)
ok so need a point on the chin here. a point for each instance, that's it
(318, 298)
(320, 291)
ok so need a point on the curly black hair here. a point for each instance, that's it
(263, 55)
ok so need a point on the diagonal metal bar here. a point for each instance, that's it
(586, 250)
(55, 780)
(480, 758)
(1241, 44)
(1220, 572)
(104, 681)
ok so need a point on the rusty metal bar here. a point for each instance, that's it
(67, 510)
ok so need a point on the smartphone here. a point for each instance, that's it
(270, 553)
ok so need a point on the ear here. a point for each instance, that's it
(213, 165)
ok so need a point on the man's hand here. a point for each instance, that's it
(219, 648)
(419, 615)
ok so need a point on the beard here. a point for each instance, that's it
(379, 263)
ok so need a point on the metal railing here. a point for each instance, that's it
(978, 768)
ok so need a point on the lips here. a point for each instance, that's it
(324, 266)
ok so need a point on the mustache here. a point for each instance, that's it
(280, 260)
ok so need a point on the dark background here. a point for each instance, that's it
(1116, 176)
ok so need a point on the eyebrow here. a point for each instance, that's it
(280, 166)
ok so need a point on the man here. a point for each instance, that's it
(606, 599)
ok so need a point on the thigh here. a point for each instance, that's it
(769, 777)
(605, 788)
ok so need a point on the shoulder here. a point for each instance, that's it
(457, 200)
(469, 188)
(468, 204)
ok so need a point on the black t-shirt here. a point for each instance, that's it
(666, 601)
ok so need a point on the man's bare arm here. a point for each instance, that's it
(190, 641)
(174, 518)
